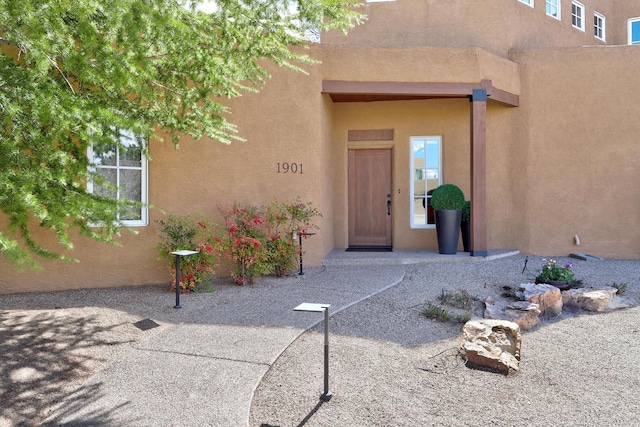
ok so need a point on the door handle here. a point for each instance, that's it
(388, 204)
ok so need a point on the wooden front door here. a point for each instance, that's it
(370, 198)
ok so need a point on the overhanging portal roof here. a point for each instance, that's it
(359, 91)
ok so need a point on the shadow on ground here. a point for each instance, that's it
(44, 357)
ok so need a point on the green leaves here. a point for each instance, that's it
(72, 70)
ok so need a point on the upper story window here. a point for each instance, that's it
(124, 168)
(577, 15)
(599, 26)
(634, 31)
(553, 8)
(425, 176)
(527, 2)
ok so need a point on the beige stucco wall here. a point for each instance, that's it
(582, 150)
(496, 26)
(417, 64)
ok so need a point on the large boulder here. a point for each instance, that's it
(492, 344)
(548, 297)
(595, 299)
(523, 313)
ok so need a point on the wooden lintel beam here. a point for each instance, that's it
(361, 91)
(397, 88)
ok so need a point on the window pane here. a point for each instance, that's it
(104, 155)
(553, 8)
(130, 185)
(131, 189)
(635, 32)
(419, 153)
(106, 190)
(131, 214)
(419, 183)
(130, 152)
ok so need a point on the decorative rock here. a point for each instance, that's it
(548, 297)
(595, 299)
(492, 344)
(523, 313)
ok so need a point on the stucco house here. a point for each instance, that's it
(528, 106)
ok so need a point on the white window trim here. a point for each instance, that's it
(582, 15)
(629, 25)
(558, 7)
(144, 210)
(411, 180)
(527, 2)
(604, 26)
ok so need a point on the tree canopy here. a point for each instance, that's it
(74, 72)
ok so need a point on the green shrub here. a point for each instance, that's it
(621, 287)
(447, 197)
(466, 211)
(287, 220)
(436, 312)
(185, 232)
(462, 300)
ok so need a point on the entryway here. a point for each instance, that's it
(370, 207)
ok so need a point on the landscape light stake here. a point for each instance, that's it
(178, 255)
(317, 308)
(300, 233)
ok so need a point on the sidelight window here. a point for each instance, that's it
(426, 176)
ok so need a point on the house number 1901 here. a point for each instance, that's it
(289, 168)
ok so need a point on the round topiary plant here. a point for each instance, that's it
(447, 197)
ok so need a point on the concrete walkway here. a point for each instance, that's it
(204, 367)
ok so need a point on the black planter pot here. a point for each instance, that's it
(465, 229)
(448, 231)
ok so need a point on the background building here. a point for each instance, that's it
(527, 105)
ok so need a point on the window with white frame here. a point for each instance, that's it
(553, 8)
(527, 2)
(599, 26)
(124, 169)
(577, 15)
(634, 31)
(425, 176)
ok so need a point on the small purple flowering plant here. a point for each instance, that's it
(551, 270)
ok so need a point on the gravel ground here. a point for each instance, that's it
(390, 366)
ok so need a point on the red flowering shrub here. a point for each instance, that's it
(255, 240)
(241, 241)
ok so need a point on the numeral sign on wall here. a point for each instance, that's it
(286, 167)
